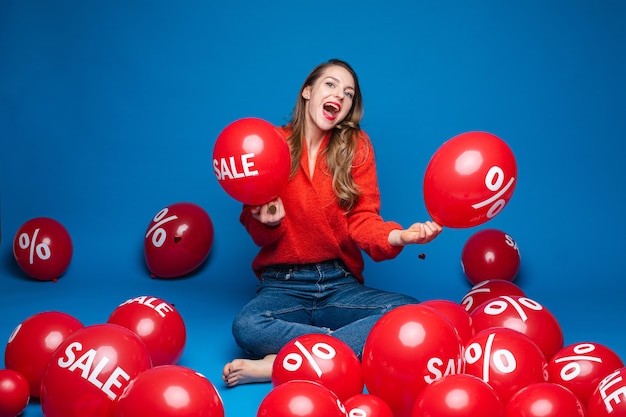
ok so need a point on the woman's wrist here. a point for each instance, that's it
(395, 238)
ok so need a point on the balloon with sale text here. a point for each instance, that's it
(90, 370)
(251, 161)
(407, 349)
(490, 254)
(469, 180)
(157, 323)
(609, 397)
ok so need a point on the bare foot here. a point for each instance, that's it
(246, 371)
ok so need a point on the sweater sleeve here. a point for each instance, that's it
(367, 228)
(261, 234)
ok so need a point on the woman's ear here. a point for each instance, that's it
(306, 92)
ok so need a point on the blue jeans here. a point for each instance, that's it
(294, 300)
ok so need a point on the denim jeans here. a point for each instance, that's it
(294, 300)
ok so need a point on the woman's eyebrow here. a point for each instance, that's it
(338, 81)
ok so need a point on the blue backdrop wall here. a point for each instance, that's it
(109, 112)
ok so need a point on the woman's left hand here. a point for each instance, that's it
(417, 233)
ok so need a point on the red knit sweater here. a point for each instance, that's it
(316, 228)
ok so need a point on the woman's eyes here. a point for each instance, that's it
(332, 85)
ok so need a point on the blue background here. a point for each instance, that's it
(109, 112)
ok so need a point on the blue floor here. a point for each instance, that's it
(109, 112)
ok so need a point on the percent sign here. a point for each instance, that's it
(503, 359)
(42, 249)
(158, 233)
(293, 361)
(494, 179)
(572, 369)
(498, 306)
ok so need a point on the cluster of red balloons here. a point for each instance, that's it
(111, 369)
(497, 353)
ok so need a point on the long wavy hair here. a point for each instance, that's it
(343, 141)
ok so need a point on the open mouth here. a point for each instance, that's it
(331, 110)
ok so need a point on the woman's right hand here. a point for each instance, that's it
(270, 213)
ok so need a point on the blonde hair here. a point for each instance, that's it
(343, 140)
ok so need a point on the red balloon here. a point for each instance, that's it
(505, 359)
(43, 248)
(490, 254)
(408, 348)
(458, 395)
(320, 358)
(609, 397)
(469, 180)
(90, 370)
(301, 399)
(157, 323)
(458, 316)
(251, 161)
(33, 342)
(178, 240)
(14, 393)
(544, 399)
(580, 367)
(524, 315)
(487, 290)
(367, 405)
(170, 391)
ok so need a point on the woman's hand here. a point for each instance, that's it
(271, 213)
(417, 233)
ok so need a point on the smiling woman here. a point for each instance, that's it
(310, 264)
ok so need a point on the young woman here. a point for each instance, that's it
(310, 263)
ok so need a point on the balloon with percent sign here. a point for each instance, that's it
(486, 290)
(469, 180)
(251, 161)
(505, 359)
(34, 340)
(320, 358)
(170, 391)
(14, 393)
(609, 397)
(456, 314)
(301, 398)
(544, 399)
(42, 247)
(157, 323)
(89, 371)
(458, 395)
(367, 405)
(526, 316)
(178, 240)
(490, 254)
(581, 366)
(408, 348)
